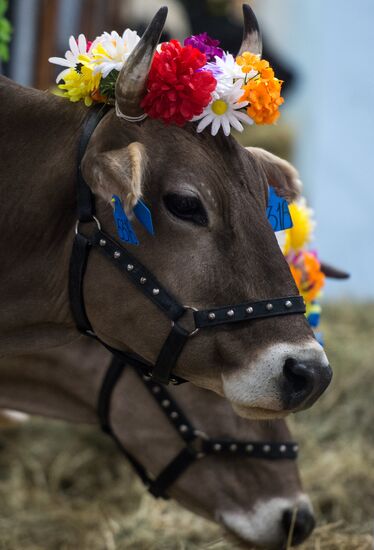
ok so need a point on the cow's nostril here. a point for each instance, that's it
(302, 524)
(297, 375)
(304, 382)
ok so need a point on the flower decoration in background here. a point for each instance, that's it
(303, 262)
(300, 235)
(306, 270)
(193, 82)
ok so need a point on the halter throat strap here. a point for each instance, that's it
(197, 444)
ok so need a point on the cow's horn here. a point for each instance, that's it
(252, 41)
(132, 80)
(332, 272)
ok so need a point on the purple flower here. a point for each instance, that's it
(206, 45)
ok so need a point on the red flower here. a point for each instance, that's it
(177, 88)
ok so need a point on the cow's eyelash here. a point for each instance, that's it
(186, 207)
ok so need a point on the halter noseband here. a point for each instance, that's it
(147, 283)
(197, 444)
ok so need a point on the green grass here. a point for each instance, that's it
(64, 487)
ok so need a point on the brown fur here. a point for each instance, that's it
(64, 383)
(280, 174)
(130, 163)
(235, 258)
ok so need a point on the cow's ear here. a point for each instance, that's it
(280, 174)
(120, 172)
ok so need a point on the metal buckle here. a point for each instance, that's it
(195, 330)
(94, 218)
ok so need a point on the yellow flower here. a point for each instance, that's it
(95, 55)
(81, 85)
(300, 234)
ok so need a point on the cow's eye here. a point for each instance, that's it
(186, 207)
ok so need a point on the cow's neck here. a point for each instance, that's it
(54, 385)
(38, 144)
(66, 386)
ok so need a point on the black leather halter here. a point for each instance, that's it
(197, 444)
(147, 283)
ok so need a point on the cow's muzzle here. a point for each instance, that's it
(304, 382)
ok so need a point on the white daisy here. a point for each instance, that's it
(226, 71)
(224, 111)
(110, 51)
(77, 48)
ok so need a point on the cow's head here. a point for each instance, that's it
(213, 246)
(254, 498)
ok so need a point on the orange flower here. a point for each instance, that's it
(262, 91)
(264, 99)
(265, 70)
(248, 62)
(306, 271)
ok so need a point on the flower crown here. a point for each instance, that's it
(196, 81)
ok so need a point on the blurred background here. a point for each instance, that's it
(323, 51)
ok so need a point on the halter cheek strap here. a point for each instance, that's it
(148, 284)
(197, 444)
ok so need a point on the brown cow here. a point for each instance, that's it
(213, 243)
(251, 497)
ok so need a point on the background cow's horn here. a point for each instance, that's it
(252, 41)
(132, 80)
(332, 272)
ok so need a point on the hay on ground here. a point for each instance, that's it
(64, 487)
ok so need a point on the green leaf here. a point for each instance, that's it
(3, 7)
(108, 85)
(4, 52)
(5, 26)
(5, 31)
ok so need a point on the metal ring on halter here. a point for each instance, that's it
(129, 118)
(94, 219)
(195, 330)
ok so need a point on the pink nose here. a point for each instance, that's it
(304, 382)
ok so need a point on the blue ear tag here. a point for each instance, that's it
(124, 228)
(144, 216)
(278, 212)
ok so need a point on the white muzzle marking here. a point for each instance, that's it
(263, 526)
(258, 384)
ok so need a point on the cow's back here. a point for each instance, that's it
(39, 135)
